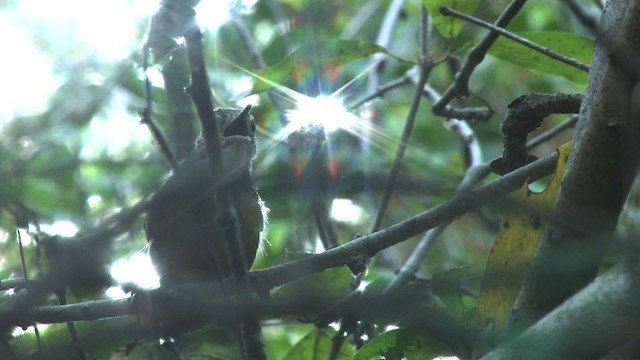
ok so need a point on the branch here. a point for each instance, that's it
(551, 133)
(525, 114)
(195, 305)
(601, 317)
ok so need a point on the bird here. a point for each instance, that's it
(186, 244)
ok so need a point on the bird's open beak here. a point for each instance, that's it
(241, 124)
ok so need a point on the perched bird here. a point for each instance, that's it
(184, 238)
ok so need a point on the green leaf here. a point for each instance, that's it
(324, 56)
(317, 345)
(449, 26)
(50, 196)
(446, 285)
(295, 4)
(326, 287)
(568, 44)
(402, 343)
(330, 284)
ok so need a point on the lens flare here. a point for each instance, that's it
(324, 111)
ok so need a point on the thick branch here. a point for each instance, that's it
(599, 318)
(525, 114)
(598, 176)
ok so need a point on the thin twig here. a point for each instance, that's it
(247, 40)
(326, 227)
(383, 39)
(203, 308)
(25, 275)
(474, 174)
(425, 70)
(472, 177)
(176, 80)
(380, 91)
(13, 283)
(460, 127)
(519, 39)
(460, 87)
(587, 20)
(258, 61)
(360, 18)
(599, 4)
(551, 133)
(476, 114)
(146, 118)
(338, 340)
(281, 18)
(412, 265)
(73, 332)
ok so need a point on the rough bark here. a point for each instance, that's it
(602, 316)
(599, 174)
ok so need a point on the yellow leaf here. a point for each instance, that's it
(514, 248)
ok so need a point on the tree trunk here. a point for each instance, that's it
(599, 173)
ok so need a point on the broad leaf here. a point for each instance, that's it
(326, 56)
(568, 44)
(329, 285)
(402, 344)
(449, 26)
(317, 346)
(446, 285)
(514, 248)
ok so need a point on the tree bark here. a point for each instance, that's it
(599, 173)
(599, 318)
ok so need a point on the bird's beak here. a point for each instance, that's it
(241, 124)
